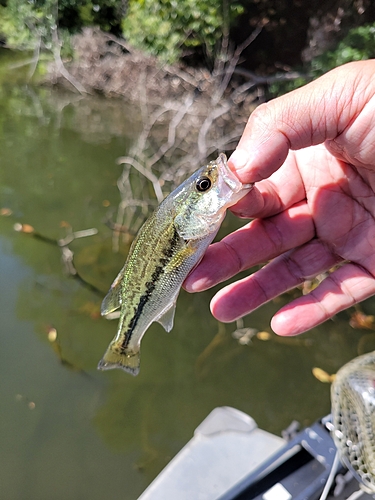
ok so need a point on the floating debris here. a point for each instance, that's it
(244, 335)
(264, 336)
(322, 375)
(360, 320)
(64, 223)
(52, 334)
(5, 212)
(91, 309)
(310, 285)
(30, 404)
(23, 228)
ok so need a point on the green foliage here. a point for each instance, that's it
(165, 27)
(284, 86)
(106, 14)
(25, 24)
(357, 45)
(170, 28)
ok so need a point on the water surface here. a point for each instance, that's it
(68, 431)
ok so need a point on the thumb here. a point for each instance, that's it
(310, 115)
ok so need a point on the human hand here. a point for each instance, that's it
(312, 155)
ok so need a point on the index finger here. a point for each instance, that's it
(255, 243)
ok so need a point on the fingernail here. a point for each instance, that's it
(193, 286)
(239, 158)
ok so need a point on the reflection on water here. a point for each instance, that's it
(68, 431)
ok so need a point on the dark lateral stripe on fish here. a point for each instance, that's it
(150, 287)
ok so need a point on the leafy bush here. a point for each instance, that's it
(357, 45)
(165, 27)
(24, 24)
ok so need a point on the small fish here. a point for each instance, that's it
(168, 246)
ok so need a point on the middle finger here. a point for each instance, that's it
(255, 243)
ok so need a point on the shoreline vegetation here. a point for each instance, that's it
(188, 114)
(183, 112)
(192, 72)
(196, 69)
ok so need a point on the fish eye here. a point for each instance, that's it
(203, 184)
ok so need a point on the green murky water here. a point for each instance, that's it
(66, 430)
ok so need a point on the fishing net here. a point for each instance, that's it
(353, 418)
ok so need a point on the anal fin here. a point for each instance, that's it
(167, 318)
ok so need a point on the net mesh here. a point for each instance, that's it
(353, 416)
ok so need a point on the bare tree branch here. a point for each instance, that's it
(60, 65)
(146, 173)
(172, 130)
(233, 63)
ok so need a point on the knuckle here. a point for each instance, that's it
(275, 236)
(234, 257)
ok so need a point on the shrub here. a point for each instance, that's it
(165, 27)
(357, 45)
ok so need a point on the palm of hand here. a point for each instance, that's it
(314, 212)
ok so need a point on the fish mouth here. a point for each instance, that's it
(229, 177)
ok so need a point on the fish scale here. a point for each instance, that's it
(168, 246)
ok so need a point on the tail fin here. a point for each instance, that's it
(115, 357)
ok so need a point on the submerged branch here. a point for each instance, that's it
(147, 173)
(172, 133)
(67, 254)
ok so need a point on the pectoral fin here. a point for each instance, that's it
(192, 226)
(112, 300)
(166, 320)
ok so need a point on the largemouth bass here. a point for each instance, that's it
(168, 246)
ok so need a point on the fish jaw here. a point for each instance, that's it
(235, 189)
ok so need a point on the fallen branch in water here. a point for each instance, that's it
(145, 172)
(67, 255)
(187, 114)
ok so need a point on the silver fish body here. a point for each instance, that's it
(168, 246)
